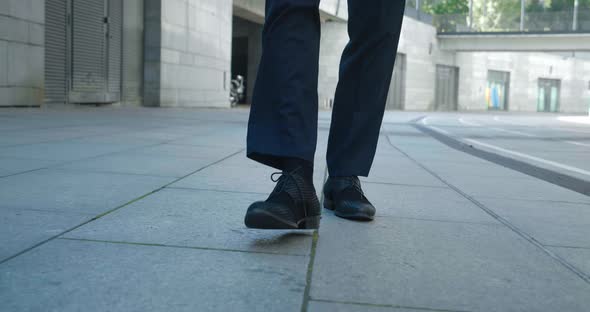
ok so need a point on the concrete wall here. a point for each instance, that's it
(334, 39)
(132, 67)
(525, 69)
(22, 52)
(188, 58)
(417, 41)
(252, 10)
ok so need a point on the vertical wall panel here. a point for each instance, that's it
(55, 51)
(114, 45)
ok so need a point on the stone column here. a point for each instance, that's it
(187, 52)
(22, 41)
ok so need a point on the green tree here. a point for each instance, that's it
(446, 7)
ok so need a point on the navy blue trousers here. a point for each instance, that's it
(284, 113)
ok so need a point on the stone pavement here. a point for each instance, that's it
(117, 209)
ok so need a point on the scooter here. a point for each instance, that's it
(236, 94)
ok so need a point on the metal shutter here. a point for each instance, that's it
(55, 51)
(115, 46)
(88, 47)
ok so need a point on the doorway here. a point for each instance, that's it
(447, 88)
(549, 93)
(497, 90)
(83, 52)
(95, 51)
(239, 62)
(246, 52)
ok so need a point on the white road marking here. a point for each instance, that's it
(469, 123)
(443, 131)
(571, 130)
(526, 156)
(515, 132)
(497, 118)
(425, 121)
(575, 119)
(578, 143)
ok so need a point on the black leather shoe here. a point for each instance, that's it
(345, 196)
(293, 204)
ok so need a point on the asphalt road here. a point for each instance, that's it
(547, 141)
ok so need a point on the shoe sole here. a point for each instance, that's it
(328, 204)
(267, 221)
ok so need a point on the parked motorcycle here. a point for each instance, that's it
(237, 91)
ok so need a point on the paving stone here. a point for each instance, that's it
(62, 151)
(77, 192)
(230, 137)
(401, 171)
(579, 257)
(66, 275)
(207, 152)
(479, 169)
(22, 228)
(194, 218)
(319, 306)
(165, 166)
(528, 189)
(440, 265)
(423, 203)
(548, 222)
(231, 178)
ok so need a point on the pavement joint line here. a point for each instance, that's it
(439, 220)
(567, 247)
(508, 224)
(52, 211)
(2, 261)
(60, 126)
(179, 246)
(75, 137)
(408, 185)
(21, 172)
(554, 177)
(59, 163)
(91, 170)
(535, 200)
(378, 305)
(212, 190)
(314, 244)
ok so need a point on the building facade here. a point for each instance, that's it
(184, 53)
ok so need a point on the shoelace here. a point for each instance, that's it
(281, 181)
(356, 184)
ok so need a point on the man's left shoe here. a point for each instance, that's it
(345, 196)
(293, 204)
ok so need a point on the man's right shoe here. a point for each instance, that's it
(346, 198)
(293, 204)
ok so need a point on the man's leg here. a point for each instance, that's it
(365, 75)
(282, 130)
(366, 68)
(283, 116)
